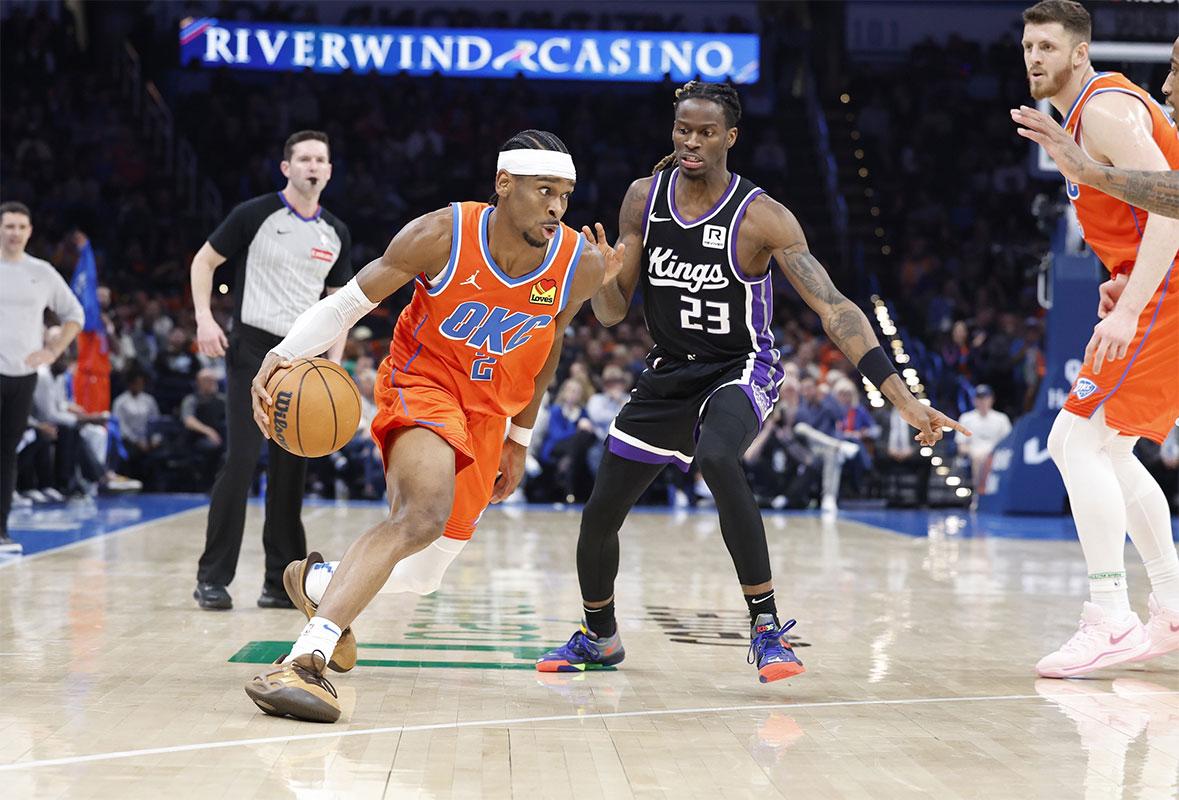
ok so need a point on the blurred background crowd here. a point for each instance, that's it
(908, 179)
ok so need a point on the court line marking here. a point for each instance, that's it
(186, 748)
(23, 559)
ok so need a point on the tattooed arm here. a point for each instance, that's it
(845, 324)
(1156, 192)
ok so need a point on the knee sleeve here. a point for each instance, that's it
(421, 573)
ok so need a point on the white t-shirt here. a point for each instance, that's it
(30, 286)
(988, 431)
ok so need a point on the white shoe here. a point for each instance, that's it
(1097, 644)
(53, 495)
(121, 483)
(1162, 628)
(36, 496)
(20, 501)
(828, 504)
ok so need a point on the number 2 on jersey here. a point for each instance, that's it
(481, 368)
(690, 316)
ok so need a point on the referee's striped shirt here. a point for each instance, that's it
(282, 260)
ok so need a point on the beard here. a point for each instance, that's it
(532, 240)
(1049, 86)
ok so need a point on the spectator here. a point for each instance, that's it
(782, 470)
(133, 410)
(176, 371)
(568, 437)
(203, 415)
(603, 407)
(989, 427)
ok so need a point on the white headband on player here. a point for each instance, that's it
(537, 162)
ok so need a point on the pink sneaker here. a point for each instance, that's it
(1163, 630)
(1098, 643)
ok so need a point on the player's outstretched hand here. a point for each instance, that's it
(1111, 339)
(511, 470)
(260, 399)
(1043, 130)
(612, 256)
(929, 422)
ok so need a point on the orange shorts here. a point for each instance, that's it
(1140, 393)
(414, 401)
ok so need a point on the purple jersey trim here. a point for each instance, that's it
(632, 453)
(733, 181)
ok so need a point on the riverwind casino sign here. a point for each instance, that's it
(474, 53)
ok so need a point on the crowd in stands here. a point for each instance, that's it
(957, 204)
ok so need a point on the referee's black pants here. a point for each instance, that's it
(282, 532)
(16, 398)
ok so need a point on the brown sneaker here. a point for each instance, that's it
(294, 578)
(298, 688)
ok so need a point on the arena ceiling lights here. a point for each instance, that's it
(471, 53)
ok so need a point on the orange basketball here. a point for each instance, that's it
(316, 407)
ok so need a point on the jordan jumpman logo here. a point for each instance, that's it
(471, 281)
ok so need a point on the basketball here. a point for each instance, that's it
(316, 407)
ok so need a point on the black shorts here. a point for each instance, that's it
(661, 421)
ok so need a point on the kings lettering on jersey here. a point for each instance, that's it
(664, 268)
(476, 331)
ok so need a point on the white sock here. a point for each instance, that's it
(320, 634)
(318, 579)
(1164, 578)
(1108, 590)
(1079, 448)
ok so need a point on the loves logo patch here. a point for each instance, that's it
(544, 292)
(322, 255)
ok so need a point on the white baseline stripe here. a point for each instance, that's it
(186, 748)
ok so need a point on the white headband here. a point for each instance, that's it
(537, 162)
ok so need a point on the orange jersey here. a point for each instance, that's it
(1112, 227)
(477, 333)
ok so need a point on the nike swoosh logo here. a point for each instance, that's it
(331, 630)
(660, 219)
(1113, 640)
(278, 231)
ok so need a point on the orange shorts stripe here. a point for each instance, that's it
(1140, 394)
(414, 401)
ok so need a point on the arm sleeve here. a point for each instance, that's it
(317, 327)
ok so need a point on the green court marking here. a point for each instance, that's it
(267, 652)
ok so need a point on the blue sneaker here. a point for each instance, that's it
(584, 650)
(774, 657)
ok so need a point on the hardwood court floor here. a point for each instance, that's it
(919, 682)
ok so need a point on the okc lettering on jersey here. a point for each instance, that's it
(485, 329)
(665, 270)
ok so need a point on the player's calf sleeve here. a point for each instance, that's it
(421, 573)
(1079, 447)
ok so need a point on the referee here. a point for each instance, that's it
(285, 248)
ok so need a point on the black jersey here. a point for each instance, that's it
(698, 304)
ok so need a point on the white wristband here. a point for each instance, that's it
(521, 436)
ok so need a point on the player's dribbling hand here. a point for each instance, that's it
(260, 399)
(1111, 339)
(1043, 130)
(930, 422)
(511, 470)
(611, 255)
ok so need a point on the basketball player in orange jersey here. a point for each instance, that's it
(700, 240)
(1129, 384)
(1156, 192)
(495, 286)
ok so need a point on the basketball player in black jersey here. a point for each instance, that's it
(700, 238)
